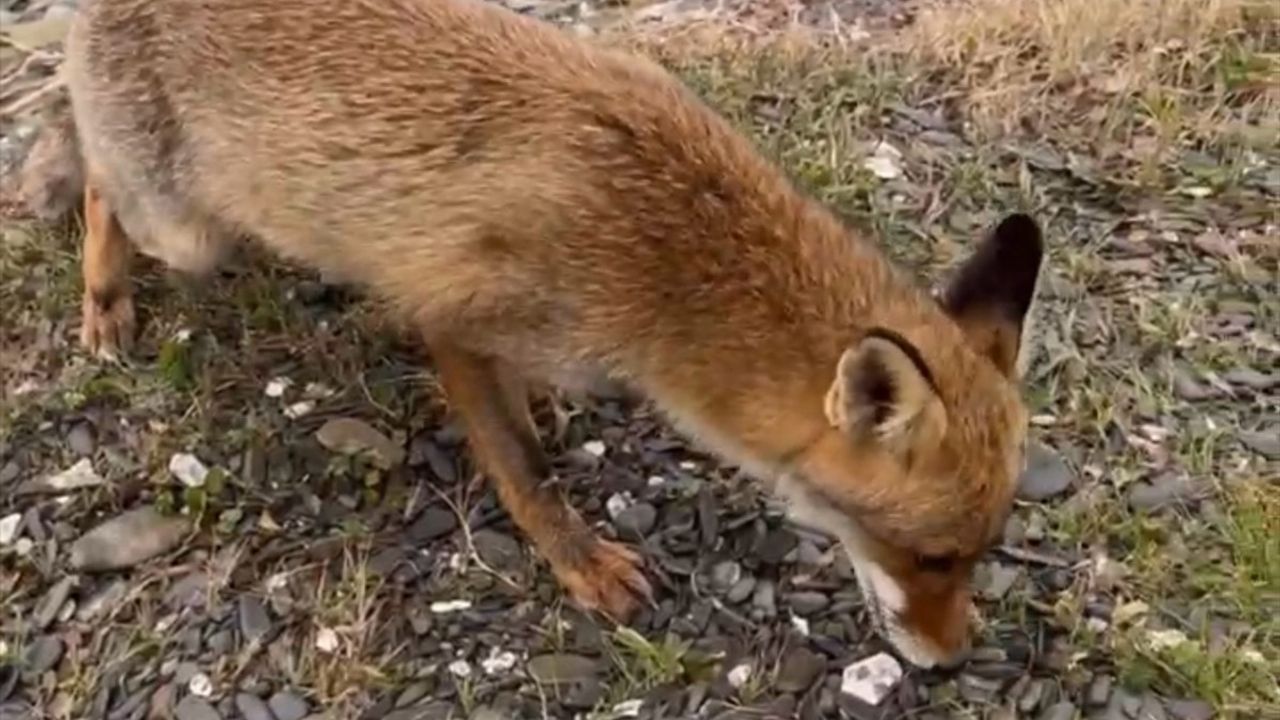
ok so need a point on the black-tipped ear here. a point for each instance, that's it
(992, 292)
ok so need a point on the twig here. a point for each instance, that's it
(466, 535)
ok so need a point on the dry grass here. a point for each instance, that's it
(1168, 70)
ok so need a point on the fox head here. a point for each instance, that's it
(917, 469)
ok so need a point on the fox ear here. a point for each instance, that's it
(883, 392)
(992, 292)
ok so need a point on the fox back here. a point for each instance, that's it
(578, 213)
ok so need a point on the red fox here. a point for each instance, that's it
(547, 210)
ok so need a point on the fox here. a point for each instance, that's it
(546, 210)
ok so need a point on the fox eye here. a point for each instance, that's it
(935, 563)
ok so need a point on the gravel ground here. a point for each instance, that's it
(270, 514)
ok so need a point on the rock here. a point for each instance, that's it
(194, 708)
(725, 575)
(1252, 379)
(52, 602)
(807, 603)
(1265, 442)
(188, 469)
(636, 521)
(1031, 696)
(1059, 711)
(741, 590)
(799, 668)
(350, 436)
(81, 440)
(500, 551)
(1151, 709)
(994, 580)
(1046, 474)
(1164, 490)
(251, 707)
(1190, 709)
(9, 525)
(764, 598)
(44, 654)
(1099, 691)
(413, 693)
(287, 706)
(128, 539)
(433, 523)
(255, 622)
(561, 668)
(584, 695)
(777, 545)
(978, 690)
(78, 476)
(871, 679)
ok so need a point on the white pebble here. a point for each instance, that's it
(628, 708)
(326, 640)
(595, 447)
(657, 481)
(739, 675)
(9, 528)
(800, 624)
(617, 503)
(441, 607)
(80, 475)
(871, 679)
(276, 387)
(188, 469)
(1165, 639)
(460, 668)
(201, 685)
(298, 409)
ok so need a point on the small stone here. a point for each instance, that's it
(764, 598)
(255, 622)
(799, 668)
(1188, 387)
(52, 602)
(460, 668)
(995, 579)
(194, 708)
(78, 476)
(871, 679)
(80, 439)
(432, 524)
(807, 602)
(1252, 379)
(128, 539)
(44, 654)
(9, 525)
(1099, 691)
(1190, 709)
(188, 469)
(561, 668)
(287, 706)
(1059, 711)
(499, 661)
(251, 707)
(1030, 698)
(1265, 442)
(1165, 490)
(1046, 474)
(725, 575)
(499, 550)
(741, 590)
(350, 436)
(636, 521)
(200, 685)
(777, 545)
(584, 695)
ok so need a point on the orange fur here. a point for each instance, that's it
(547, 210)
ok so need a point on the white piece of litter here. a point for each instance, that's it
(460, 668)
(318, 391)
(188, 469)
(200, 685)
(628, 708)
(617, 503)
(276, 387)
(800, 624)
(871, 679)
(595, 447)
(441, 607)
(739, 675)
(498, 661)
(80, 475)
(298, 409)
(182, 335)
(326, 640)
(9, 528)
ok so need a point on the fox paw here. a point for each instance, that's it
(107, 327)
(606, 578)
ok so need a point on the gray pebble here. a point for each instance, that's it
(81, 440)
(52, 602)
(741, 590)
(798, 669)
(636, 521)
(287, 706)
(1099, 691)
(725, 575)
(1190, 710)
(1265, 442)
(255, 622)
(764, 598)
(251, 707)
(808, 602)
(499, 550)
(193, 708)
(44, 654)
(561, 668)
(433, 523)
(128, 539)
(1046, 474)
(1060, 711)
